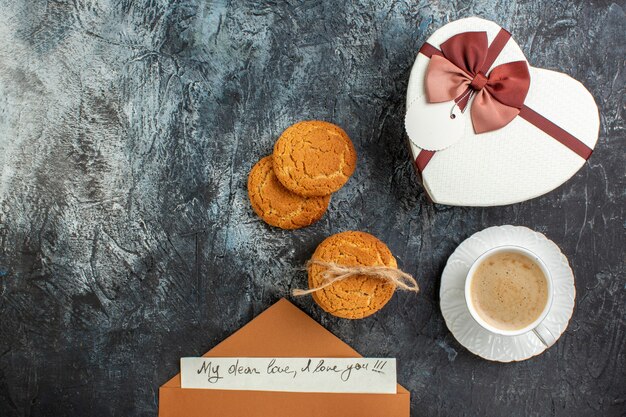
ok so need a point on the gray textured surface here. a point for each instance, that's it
(127, 130)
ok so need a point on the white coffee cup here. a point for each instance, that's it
(537, 326)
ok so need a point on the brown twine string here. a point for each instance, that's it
(335, 272)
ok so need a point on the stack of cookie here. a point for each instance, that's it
(358, 296)
(291, 188)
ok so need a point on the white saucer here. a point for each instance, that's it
(458, 319)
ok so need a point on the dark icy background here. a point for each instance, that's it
(127, 130)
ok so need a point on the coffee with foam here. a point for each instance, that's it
(509, 290)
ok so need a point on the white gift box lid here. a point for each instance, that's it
(514, 163)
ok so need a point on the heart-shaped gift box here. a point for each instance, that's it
(487, 129)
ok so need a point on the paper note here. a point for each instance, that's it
(344, 375)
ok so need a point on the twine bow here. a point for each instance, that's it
(335, 273)
(461, 70)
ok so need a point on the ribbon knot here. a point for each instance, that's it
(462, 70)
(479, 81)
(334, 273)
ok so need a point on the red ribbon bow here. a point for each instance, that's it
(461, 71)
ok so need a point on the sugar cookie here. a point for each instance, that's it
(278, 206)
(357, 296)
(314, 158)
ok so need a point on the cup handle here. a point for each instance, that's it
(545, 335)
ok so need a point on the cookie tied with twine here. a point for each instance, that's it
(353, 275)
